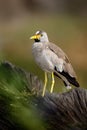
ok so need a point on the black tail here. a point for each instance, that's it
(72, 80)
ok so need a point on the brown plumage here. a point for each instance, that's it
(68, 70)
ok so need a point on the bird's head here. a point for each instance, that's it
(40, 36)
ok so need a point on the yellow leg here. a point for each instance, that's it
(53, 82)
(45, 84)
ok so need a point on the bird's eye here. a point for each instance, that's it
(41, 35)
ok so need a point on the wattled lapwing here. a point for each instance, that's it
(52, 59)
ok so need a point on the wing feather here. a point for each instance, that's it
(67, 67)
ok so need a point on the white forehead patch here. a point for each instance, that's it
(37, 32)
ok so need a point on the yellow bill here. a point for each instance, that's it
(35, 37)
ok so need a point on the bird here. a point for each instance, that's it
(52, 59)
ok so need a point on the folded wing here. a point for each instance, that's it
(68, 70)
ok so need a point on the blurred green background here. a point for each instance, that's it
(65, 21)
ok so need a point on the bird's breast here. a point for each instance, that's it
(37, 49)
(41, 56)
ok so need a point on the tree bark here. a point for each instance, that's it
(65, 111)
